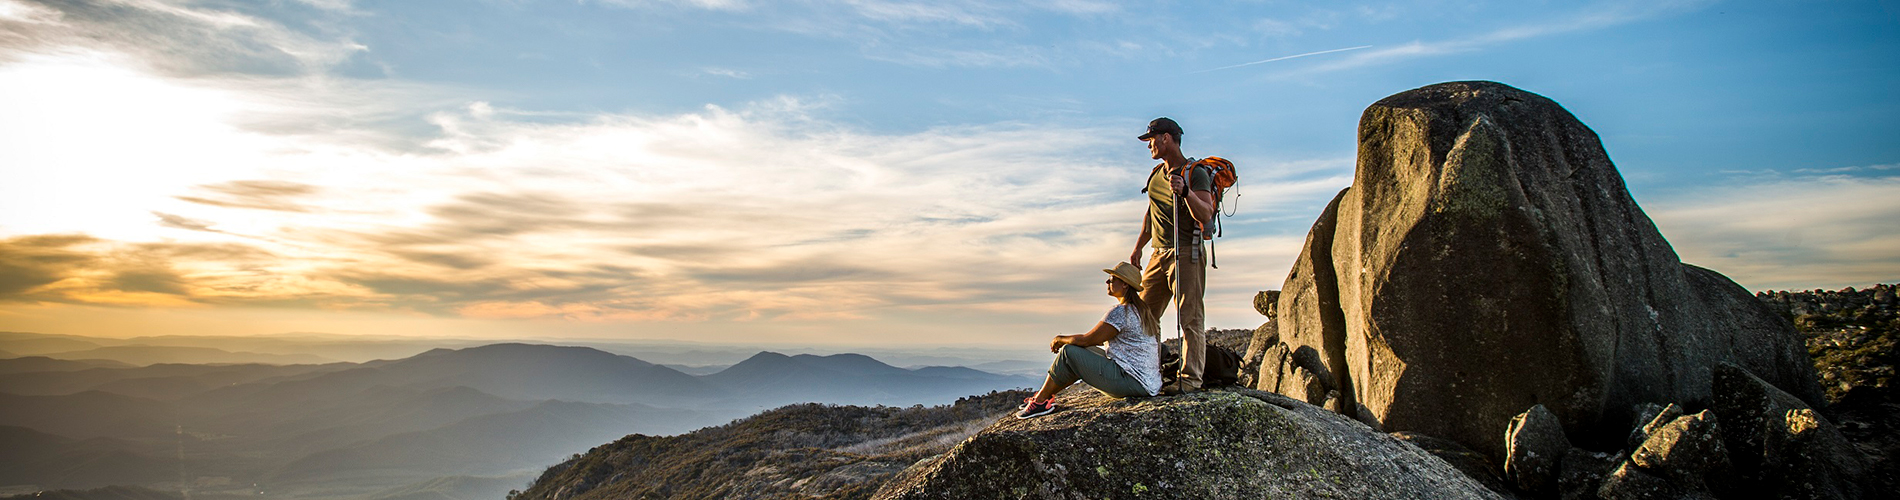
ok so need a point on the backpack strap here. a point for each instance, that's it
(1151, 174)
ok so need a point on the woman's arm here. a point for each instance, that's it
(1102, 333)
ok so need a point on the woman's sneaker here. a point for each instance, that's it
(1033, 409)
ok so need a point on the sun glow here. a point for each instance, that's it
(118, 141)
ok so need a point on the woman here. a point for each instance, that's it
(1132, 364)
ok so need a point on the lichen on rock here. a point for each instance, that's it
(1237, 443)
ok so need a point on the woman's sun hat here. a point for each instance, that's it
(1128, 273)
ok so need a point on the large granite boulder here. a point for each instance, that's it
(1310, 317)
(1236, 444)
(1488, 258)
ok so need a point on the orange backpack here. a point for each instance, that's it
(1224, 177)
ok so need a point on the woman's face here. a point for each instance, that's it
(1116, 288)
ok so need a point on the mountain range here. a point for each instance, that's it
(491, 415)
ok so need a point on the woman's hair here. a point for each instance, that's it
(1148, 320)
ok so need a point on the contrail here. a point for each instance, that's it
(1283, 58)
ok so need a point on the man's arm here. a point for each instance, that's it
(1200, 203)
(1201, 206)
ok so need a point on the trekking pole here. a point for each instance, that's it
(1174, 279)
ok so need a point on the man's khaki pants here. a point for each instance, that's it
(1156, 288)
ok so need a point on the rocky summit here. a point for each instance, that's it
(1229, 444)
(1488, 258)
(1485, 313)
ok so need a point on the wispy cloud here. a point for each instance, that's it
(960, 58)
(925, 34)
(764, 211)
(1791, 232)
(725, 72)
(1283, 58)
(175, 38)
(257, 194)
(1591, 17)
(181, 222)
(725, 5)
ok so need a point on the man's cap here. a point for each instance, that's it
(1128, 273)
(1162, 125)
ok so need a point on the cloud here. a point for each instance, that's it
(1082, 6)
(254, 194)
(1275, 28)
(924, 34)
(28, 263)
(174, 38)
(726, 72)
(1593, 17)
(181, 222)
(924, 57)
(767, 211)
(1887, 169)
(1791, 233)
(81, 269)
(724, 5)
(1283, 58)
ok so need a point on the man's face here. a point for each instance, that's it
(1158, 144)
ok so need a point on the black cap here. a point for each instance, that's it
(1162, 125)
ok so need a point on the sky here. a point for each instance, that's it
(843, 172)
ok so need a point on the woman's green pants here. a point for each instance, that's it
(1090, 365)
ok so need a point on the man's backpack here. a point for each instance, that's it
(1224, 177)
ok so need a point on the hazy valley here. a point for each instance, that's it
(310, 417)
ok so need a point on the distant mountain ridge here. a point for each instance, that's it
(150, 355)
(330, 347)
(391, 427)
(773, 379)
(30, 364)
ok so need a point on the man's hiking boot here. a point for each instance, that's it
(1177, 388)
(1033, 408)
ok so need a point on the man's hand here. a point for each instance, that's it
(1135, 258)
(1179, 184)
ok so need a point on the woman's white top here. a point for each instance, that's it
(1138, 353)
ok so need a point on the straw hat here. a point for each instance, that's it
(1128, 273)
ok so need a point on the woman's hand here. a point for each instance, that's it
(1061, 340)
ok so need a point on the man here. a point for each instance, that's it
(1177, 267)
